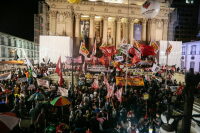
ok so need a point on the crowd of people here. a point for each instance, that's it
(91, 111)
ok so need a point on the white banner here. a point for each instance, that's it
(62, 92)
(5, 76)
(42, 82)
(125, 48)
(22, 79)
(32, 86)
(173, 88)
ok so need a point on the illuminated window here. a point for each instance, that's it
(190, 1)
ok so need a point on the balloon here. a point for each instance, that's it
(150, 8)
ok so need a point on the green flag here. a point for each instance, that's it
(30, 73)
(119, 52)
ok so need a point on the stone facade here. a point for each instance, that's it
(108, 21)
(9, 42)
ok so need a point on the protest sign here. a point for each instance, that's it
(42, 82)
(130, 81)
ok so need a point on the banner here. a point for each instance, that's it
(42, 82)
(62, 92)
(119, 58)
(5, 76)
(125, 48)
(130, 81)
(118, 94)
(173, 88)
(89, 76)
(137, 32)
(22, 79)
(32, 86)
(143, 73)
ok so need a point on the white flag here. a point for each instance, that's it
(29, 63)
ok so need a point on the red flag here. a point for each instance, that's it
(103, 60)
(179, 90)
(59, 67)
(105, 80)
(61, 80)
(95, 84)
(135, 60)
(132, 51)
(147, 50)
(59, 71)
(78, 59)
(110, 89)
(120, 83)
(109, 51)
(118, 94)
(94, 48)
(145, 116)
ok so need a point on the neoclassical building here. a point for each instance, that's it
(108, 21)
(9, 43)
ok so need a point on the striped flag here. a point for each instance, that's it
(136, 44)
(169, 49)
(155, 46)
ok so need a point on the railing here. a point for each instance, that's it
(193, 52)
(183, 53)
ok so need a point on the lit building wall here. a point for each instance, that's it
(9, 43)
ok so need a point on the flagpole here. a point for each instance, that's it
(167, 46)
(72, 76)
(127, 44)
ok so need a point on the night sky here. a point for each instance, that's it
(17, 17)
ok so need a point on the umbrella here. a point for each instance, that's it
(61, 101)
(36, 96)
(8, 121)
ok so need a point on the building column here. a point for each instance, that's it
(77, 35)
(144, 33)
(118, 37)
(165, 29)
(105, 28)
(113, 35)
(52, 22)
(148, 31)
(125, 30)
(69, 24)
(131, 20)
(91, 33)
(153, 29)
